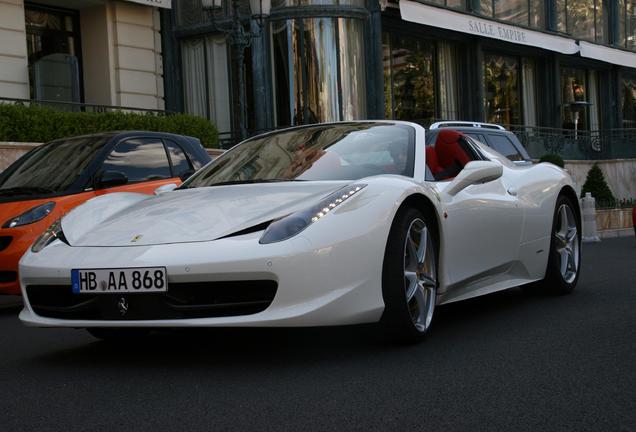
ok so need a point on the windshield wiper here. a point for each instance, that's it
(26, 190)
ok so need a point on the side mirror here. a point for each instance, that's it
(107, 179)
(186, 174)
(475, 172)
(165, 188)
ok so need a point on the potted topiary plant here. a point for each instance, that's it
(595, 184)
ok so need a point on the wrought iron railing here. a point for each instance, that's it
(80, 107)
(582, 144)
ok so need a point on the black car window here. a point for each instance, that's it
(180, 163)
(54, 166)
(477, 137)
(503, 145)
(139, 159)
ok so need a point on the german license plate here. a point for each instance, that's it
(123, 280)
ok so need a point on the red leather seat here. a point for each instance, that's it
(451, 155)
(431, 160)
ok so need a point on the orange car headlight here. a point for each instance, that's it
(30, 216)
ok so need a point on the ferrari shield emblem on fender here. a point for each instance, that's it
(136, 238)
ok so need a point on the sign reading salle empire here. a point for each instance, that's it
(434, 16)
(497, 31)
(166, 4)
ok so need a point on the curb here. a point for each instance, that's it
(623, 232)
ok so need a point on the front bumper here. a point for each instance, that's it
(317, 284)
(13, 243)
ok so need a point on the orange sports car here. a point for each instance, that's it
(50, 180)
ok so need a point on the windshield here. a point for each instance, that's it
(341, 151)
(53, 167)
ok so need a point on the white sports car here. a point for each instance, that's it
(328, 224)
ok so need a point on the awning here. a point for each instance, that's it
(443, 18)
(607, 54)
(166, 4)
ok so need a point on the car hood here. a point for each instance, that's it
(190, 215)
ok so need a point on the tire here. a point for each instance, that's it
(562, 276)
(409, 276)
(118, 334)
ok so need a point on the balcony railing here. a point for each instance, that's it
(582, 144)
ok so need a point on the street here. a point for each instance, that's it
(507, 361)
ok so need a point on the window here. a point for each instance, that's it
(628, 102)
(583, 19)
(54, 54)
(205, 81)
(627, 24)
(502, 101)
(345, 151)
(318, 70)
(139, 159)
(419, 79)
(477, 137)
(579, 99)
(530, 13)
(180, 163)
(503, 145)
(451, 4)
(55, 165)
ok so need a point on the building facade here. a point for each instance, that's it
(71, 52)
(531, 65)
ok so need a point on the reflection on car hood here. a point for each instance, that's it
(200, 214)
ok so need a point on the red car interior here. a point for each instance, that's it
(448, 157)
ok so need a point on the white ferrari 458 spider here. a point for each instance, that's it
(328, 224)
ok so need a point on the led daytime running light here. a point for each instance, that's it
(336, 202)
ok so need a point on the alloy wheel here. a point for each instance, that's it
(567, 243)
(420, 276)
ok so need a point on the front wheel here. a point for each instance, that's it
(409, 276)
(564, 260)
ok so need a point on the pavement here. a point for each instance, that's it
(506, 361)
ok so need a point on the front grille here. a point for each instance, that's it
(5, 241)
(8, 276)
(181, 301)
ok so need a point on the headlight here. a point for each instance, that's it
(52, 233)
(292, 224)
(33, 215)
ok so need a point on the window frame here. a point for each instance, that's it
(185, 153)
(100, 169)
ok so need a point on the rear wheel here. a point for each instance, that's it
(564, 261)
(409, 277)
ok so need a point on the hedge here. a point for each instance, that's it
(553, 159)
(41, 124)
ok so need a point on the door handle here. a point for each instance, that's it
(512, 191)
